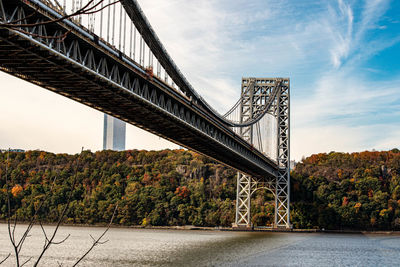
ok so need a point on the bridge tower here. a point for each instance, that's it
(126, 72)
(255, 93)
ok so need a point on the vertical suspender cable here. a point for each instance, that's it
(140, 51)
(120, 27)
(108, 22)
(150, 58)
(101, 18)
(124, 31)
(90, 19)
(130, 40)
(113, 27)
(134, 41)
(144, 52)
(80, 15)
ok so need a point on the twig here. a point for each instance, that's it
(62, 241)
(11, 233)
(33, 218)
(98, 240)
(61, 217)
(86, 10)
(24, 18)
(60, 37)
(46, 239)
(9, 254)
(26, 261)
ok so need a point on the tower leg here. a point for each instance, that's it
(282, 189)
(243, 196)
(282, 201)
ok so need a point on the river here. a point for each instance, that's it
(148, 247)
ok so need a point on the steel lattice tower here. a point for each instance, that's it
(256, 92)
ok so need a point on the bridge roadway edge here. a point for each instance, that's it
(139, 107)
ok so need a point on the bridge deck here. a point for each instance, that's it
(139, 100)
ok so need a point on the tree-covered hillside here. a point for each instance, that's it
(347, 191)
(177, 187)
(151, 187)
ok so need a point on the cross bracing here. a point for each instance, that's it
(267, 100)
(108, 57)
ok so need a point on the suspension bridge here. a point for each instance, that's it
(106, 55)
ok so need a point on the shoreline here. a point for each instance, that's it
(227, 229)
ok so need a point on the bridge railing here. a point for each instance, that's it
(110, 22)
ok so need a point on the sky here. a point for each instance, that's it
(343, 59)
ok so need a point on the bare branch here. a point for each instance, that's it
(49, 240)
(86, 10)
(14, 226)
(46, 239)
(98, 240)
(60, 37)
(62, 241)
(103, 242)
(95, 11)
(1, 262)
(61, 217)
(94, 240)
(26, 261)
(22, 19)
(10, 233)
(33, 218)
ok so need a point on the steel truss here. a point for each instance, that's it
(256, 92)
(84, 68)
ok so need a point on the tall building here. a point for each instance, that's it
(114, 133)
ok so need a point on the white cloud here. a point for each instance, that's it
(342, 94)
(343, 138)
(320, 45)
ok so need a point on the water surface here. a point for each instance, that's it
(144, 247)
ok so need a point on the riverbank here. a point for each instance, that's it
(221, 228)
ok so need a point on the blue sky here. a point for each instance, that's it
(343, 59)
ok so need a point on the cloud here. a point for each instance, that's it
(343, 138)
(341, 28)
(340, 94)
(210, 43)
(321, 45)
(345, 113)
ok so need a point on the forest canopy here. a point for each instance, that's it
(179, 187)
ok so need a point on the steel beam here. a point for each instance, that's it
(96, 75)
(256, 92)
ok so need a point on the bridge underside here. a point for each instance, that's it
(146, 106)
(78, 64)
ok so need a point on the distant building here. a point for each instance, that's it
(12, 150)
(292, 164)
(114, 133)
